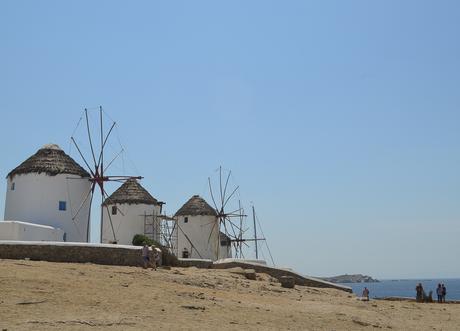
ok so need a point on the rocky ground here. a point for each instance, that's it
(64, 296)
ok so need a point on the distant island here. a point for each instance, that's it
(358, 278)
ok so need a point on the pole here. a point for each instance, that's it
(89, 214)
(218, 237)
(240, 245)
(102, 218)
(102, 173)
(255, 231)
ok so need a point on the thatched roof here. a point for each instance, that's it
(196, 206)
(51, 160)
(131, 193)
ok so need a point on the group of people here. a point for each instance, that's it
(148, 261)
(421, 296)
(441, 292)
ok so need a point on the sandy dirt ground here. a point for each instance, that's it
(64, 296)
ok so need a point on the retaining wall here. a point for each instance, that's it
(278, 273)
(72, 252)
(261, 268)
(199, 263)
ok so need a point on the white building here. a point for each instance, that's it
(198, 232)
(48, 189)
(132, 211)
(23, 231)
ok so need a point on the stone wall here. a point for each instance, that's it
(199, 263)
(72, 252)
(278, 273)
(107, 254)
(259, 268)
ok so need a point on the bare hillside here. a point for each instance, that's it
(60, 296)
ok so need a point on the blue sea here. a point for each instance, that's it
(406, 287)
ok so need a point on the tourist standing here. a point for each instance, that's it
(439, 293)
(366, 294)
(158, 256)
(419, 292)
(146, 256)
(155, 258)
(444, 292)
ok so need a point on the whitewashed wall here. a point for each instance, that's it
(203, 231)
(128, 224)
(225, 252)
(23, 231)
(36, 197)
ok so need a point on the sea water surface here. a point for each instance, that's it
(406, 287)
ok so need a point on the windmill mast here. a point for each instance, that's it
(102, 172)
(240, 233)
(255, 230)
(218, 239)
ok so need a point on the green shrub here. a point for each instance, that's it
(141, 240)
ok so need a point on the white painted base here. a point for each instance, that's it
(16, 230)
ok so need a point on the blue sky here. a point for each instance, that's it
(339, 119)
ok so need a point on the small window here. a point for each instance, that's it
(62, 205)
(185, 219)
(13, 185)
(114, 210)
(185, 254)
(225, 242)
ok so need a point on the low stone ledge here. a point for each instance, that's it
(199, 263)
(105, 254)
(278, 273)
(77, 252)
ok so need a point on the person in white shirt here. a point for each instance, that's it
(146, 256)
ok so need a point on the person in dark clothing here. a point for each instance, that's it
(419, 292)
(365, 294)
(444, 292)
(439, 293)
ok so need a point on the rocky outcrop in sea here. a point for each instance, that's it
(357, 278)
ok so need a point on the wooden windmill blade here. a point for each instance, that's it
(90, 193)
(231, 216)
(224, 212)
(212, 195)
(96, 168)
(240, 236)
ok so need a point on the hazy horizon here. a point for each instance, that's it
(339, 120)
